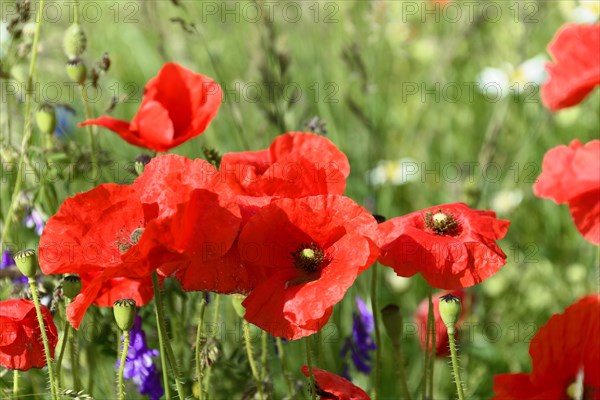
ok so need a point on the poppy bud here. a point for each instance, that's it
(46, 118)
(74, 41)
(450, 310)
(71, 286)
(26, 262)
(124, 311)
(236, 301)
(392, 321)
(76, 70)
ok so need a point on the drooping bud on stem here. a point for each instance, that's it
(125, 310)
(392, 321)
(74, 41)
(26, 262)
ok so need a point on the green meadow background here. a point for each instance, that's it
(388, 80)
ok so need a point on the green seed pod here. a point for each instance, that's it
(76, 70)
(236, 301)
(392, 321)
(46, 118)
(74, 41)
(450, 310)
(71, 286)
(125, 310)
(26, 262)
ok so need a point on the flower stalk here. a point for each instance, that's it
(199, 371)
(163, 337)
(377, 363)
(121, 384)
(253, 367)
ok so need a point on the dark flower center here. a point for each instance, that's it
(308, 257)
(441, 223)
(124, 243)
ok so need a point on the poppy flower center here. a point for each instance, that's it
(125, 243)
(441, 223)
(308, 257)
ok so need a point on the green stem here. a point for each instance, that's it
(311, 375)
(214, 332)
(96, 170)
(61, 353)
(281, 355)
(121, 383)
(27, 125)
(431, 324)
(401, 370)
(74, 355)
(40, 317)
(253, 367)
(15, 384)
(263, 355)
(375, 308)
(165, 338)
(198, 343)
(76, 12)
(163, 362)
(453, 356)
(426, 357)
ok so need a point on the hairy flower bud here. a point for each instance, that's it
(125, 310)
(74, 41)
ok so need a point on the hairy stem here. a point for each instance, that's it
(455, 371)
(253, 367)
(165, 338)
(375, 308)
(198, 340)
(121, 384)
(40, 317)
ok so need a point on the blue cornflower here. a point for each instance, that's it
(360, 344)
(139, 366)
(65, 117)
(35, 219)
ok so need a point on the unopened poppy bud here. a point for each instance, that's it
(124, 311)
(450, 310)
(74, 41)
(46, 118)
(392, 321)
(76, 70)
(71, 286)
(26, 262)
(236, 301)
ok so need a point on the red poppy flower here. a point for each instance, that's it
(451, 245)
(304, 254)
(565, 355)
(421, 317)
(171, 218)
(178, 105)
(332, 386)
(576, 68)
(571, 174)
(297, 164)
(21, 346)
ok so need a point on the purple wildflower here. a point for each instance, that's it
(35, 219)
(139, 366)
(65, 115)
(360, 343)
(8, 262)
